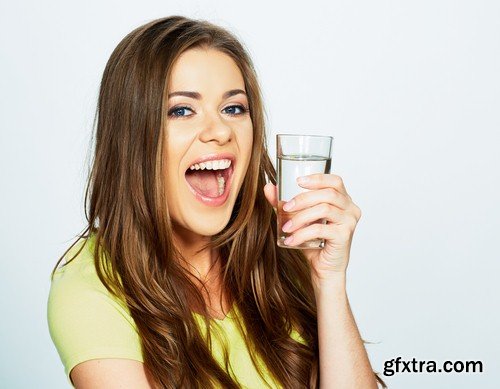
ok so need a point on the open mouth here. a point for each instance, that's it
(209, 183)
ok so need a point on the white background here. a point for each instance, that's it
(410, 92)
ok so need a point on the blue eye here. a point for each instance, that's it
(179, 111)
(233, 107)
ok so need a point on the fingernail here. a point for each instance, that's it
(288, 240)
(287, 226)
(289, 205)
(303, 180)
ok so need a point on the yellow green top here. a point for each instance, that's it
(86, 322)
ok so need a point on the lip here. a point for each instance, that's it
(214, 201)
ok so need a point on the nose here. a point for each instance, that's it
(216, 129)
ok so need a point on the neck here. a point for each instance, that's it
(189, 243)
(203, 266)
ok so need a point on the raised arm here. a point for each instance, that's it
(343, 361)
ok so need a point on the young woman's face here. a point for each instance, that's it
(211, 120)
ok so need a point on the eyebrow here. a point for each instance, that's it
(197, 96)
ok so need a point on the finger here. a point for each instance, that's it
(318, 181)
(308, 199)
(318, 231)
(317, 213)
(271, 195)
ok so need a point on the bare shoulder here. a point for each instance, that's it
(111, 373)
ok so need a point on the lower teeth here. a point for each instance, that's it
(222, 183)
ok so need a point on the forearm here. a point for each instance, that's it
(343, 361)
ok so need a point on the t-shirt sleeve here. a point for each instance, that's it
(86, 323)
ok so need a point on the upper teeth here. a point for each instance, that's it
(213, 165)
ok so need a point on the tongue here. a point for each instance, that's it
(204, 182)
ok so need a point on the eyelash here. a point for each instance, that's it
(241, 107)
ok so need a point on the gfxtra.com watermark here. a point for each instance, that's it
(399, 365)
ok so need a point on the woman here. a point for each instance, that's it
(177, 281)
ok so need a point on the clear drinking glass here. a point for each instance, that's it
(299, 155)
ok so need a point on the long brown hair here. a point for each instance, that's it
(135, 256)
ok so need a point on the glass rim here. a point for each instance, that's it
(299, 135)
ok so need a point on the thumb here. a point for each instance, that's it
(271, 194)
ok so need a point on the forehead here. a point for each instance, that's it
(205, 70)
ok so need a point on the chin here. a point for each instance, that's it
(207, 224)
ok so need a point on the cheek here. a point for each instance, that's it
(247, 140)
(249, 147)
(176, 148)
(178, 142)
